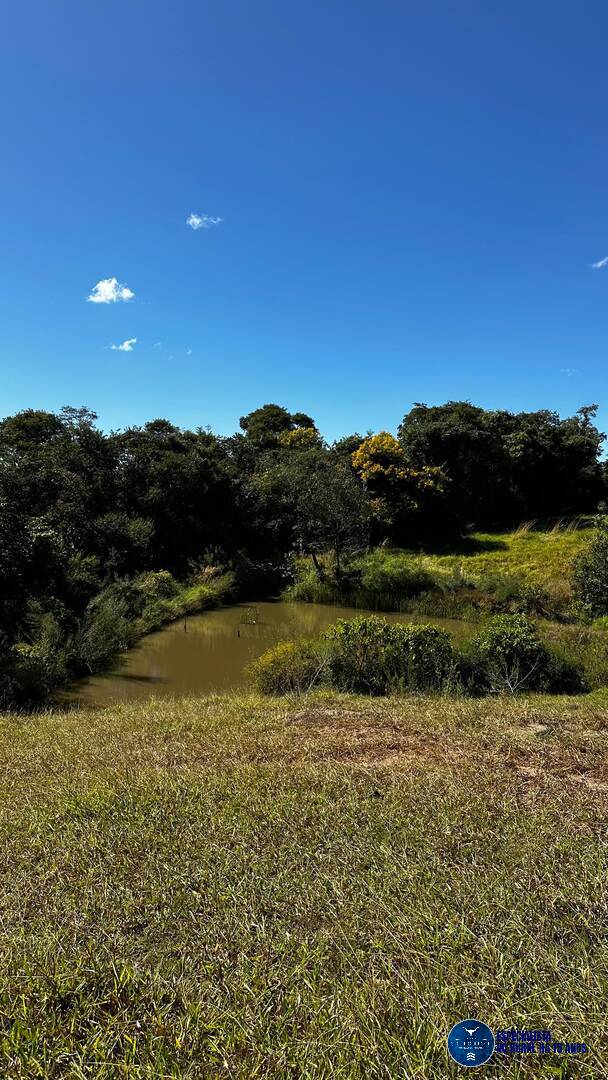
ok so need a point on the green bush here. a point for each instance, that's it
(106, 629)
(394, 575)
(155, 614)
(157, 585)
(382, 580)
(371, 656)
(583, 646)
(507, 656)
(289, 667)
(41, 664)
(511, 594)
(590, 575)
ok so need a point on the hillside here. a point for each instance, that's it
(482, 569)
(313, 888)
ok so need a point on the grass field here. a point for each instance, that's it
(318, 888)
(540, 556)
(479, 569)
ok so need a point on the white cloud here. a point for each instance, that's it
(188, 352)
(568, 371)
(127, 346)
(202, 221)
(158, 345)
(108, 291)
(600, 264)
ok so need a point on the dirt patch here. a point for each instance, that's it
(335, 718)
(591, 782)
(530, 730)
(535, 766)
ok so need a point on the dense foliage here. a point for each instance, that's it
(85, 515)
(372, 656)
(505, 467)
(590, 576)
(508, 656)
(369, 655)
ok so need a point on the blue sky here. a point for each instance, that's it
(411, 193)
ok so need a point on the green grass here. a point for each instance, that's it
(315, 888)
(188, 599)
(482, 571)
(542, 558)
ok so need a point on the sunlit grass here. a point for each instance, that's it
(455, 579)
(231, 887)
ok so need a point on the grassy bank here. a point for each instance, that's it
(526, 570)
(185, 599)
(231, 887)
(122, 612)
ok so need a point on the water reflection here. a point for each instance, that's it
(209, 652)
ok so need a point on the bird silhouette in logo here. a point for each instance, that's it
(471, 1031)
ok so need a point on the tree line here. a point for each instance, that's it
(84, 513)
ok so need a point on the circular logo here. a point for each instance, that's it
(470, 1043)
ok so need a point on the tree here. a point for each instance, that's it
(396, 490)
(178, 482)
(263, 426)
(315, 500)
(505, 466)
(590, 574)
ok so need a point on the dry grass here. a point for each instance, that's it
(317, 888)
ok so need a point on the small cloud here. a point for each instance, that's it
(171, 357)
(568, 371)
(188, 352)
(127, 346)
(600, 264)
(158, 345)
(202, 221)
(108, 291)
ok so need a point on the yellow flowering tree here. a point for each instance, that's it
(302, 438)
(396, 490)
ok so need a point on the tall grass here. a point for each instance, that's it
(523, 529)
(528, 570)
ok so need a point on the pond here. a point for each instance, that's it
(208, 652)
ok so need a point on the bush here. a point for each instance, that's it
(39, 666)
(394, 575)
(289, 667)
(106, 629)
(371, 656)
(512, 594)
(590, 575)
(383, 580)
(157, 585)
(583, 646)
(507, 656)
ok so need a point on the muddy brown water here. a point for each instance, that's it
(210, 654)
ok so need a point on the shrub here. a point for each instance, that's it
(382, 580)
(289, 667)
(155, 614)
(157, 585)
(40, 665)
(394, 575)
(590, 574)
(203, 573)
(507, 656)
(106, 629)
(512, 594)
(371, 656)
(582, 646)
